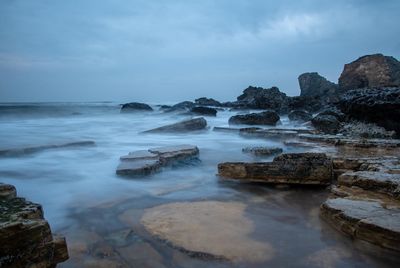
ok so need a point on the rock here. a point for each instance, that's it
(262, 151)
(36, 149)
(207, 102)
(365, 220)
(182, 106)
(200, 110)
(213, 229)
(308, 103)
(380, 106)
(263, 118)
(268, 133)
(25, 236)
(183, 126)
(300, 116)
(371, 71)
(359, 129)
(144, 163)
(334, 112)
(260, 98)
(301, 168)
(352, 142)
(380, 182)
(326, 123)
(135, 107)
(314, 85)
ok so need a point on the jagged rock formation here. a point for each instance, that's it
(261, 98)
(314, 85)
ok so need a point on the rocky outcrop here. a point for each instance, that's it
(201, 110)
(262, 151)
(264, 118)
(300, 116)
(180, 127)
(308, 103)
(135, 107)
(334, 112)
(380, 106)
(314, 85)
(207, 102)
(352, 142)
(25, 236)
(359, 129)
(39, 148)
(261, 98)
(371, 71)
(181, 106)
(146, 162)
(301, 168)
(326, 123)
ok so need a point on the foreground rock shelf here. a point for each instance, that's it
(146, 162)
(301, 168)
(25, 236)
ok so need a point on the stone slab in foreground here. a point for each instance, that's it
(365, 220)
(300, 168)
(25, 236)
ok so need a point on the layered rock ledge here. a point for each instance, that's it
(301, 168)
(26, 239)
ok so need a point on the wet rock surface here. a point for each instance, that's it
(262, 151)
(201, 110)
(25, 236)
(263, 118)
(135, 107)
(181, 127)
(207, 102)
(327, 124)
(301, 168)
(143, 163)
(300, 116)
(352, 142)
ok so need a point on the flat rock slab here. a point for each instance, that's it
(349, 142)
(213, 228)
(301, 168)
(142, 163)
(262, 151)
(180, 127)
(364, 220)
(25, 236)
(373, 181)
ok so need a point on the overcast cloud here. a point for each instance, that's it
(154, 51)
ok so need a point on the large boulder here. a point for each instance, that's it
(371, 71)
(300, 116)
(207, 102)
(263, 118)
(328, 124)
(261, 98)
(25, 236)
(181, 106)
(380, 106)
(183, 126)
(314, 85)
(201, 110)
(135, 107)
(301, 168)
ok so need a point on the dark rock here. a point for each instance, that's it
(263, 118)
(352, 142)
(200, 110)
(143, 163)
(365, 220)
(181, 106)
(308, 103)
(262, 151)
(207, 102)
(300, 116)
(334, 112)
(165, 107)
(135, 106)
(35, 149)
(260, 98)
(183, 126)
(359, 129)
(268, 133)
(302, 168)
(380, 106)
(371, 71)
(326, 123)
(25, 236)
(314, 85)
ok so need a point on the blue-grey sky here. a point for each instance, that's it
(159, 50)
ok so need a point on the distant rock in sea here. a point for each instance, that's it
(135, 106)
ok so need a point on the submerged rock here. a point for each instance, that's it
(326, 123)
(371, 71)
(200, 110)
(135, 107)
(262, 151)
(207, 228)
(300, 116)
(364, 220)
(25, 236)
(143, 163)
(263, 118)
(301, 168)
(183, 126)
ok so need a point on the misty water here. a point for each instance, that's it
(83, 199)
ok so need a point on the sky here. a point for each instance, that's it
(175, 50)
